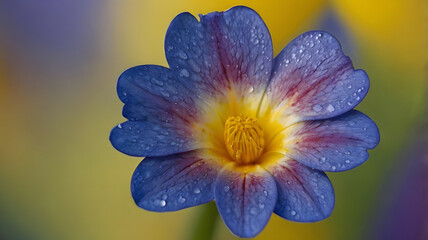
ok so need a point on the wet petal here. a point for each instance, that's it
(223, 50)
(313, 79)
(161, 111)
(174, 182)
(151, 91)
(304, 194)
(245, 201)
(336, 144)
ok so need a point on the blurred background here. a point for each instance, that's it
(59, 62)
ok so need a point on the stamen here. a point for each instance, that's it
(244, 139)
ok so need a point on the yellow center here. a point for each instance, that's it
(244, 139)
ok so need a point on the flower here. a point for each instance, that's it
(228, 121)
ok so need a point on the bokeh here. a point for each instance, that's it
(59, 62)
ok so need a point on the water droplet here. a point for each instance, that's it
(265, 192)
(347, 153)
(181, 199)
(158, 82)
(119, 126)
(317, 107)
(226, 188)
(182, 54)
(347, 161)
(184, 73)
(330, 108)
(322, 160)
(333, 168)
(261, 205)
(161, 203)
(197, 190)
(251, 89)
(322, 196)
(293, 213)
(253, 211)
(255, 41)
(165, 93)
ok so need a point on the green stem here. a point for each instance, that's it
(205, 223)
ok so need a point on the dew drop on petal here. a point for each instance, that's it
(158, 82)
(347, 161)
(184, 73)
(253, 211)
(161, 203)
(251, 89)
(317, 107)
(293, 213)
(255, 41)
(181, 199)
(226, 188)
(119, 126)
(322, 160)
(330, 108)
(182, 54)
(197, 190)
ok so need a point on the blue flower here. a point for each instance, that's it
(229, 122)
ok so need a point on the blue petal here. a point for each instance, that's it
(315, 79)
(336, 144)
(304, 194)
(161, 111)
(224, 49)
(147, 138)
(245, 201)
(173, 182)
(153, 92)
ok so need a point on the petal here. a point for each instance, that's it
(304, 194)
(336, 144)
(161, 111)
(149, 138)
(313, 79)
(245, 201)
(223, 50)
(151, 91)
(174, 182)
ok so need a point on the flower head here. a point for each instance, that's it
(229, 122)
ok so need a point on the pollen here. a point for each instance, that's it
(244, 139)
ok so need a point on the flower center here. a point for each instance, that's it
(244, 139)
